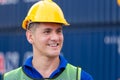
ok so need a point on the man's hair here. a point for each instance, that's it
(32, 26)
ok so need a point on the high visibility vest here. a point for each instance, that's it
(70, 73)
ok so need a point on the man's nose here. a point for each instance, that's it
(54, 36)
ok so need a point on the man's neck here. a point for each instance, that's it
(45, 66)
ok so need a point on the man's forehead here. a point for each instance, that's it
(50, 25)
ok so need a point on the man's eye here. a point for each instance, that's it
(59, 31)
(46, 32)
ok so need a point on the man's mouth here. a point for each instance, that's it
(53, 44)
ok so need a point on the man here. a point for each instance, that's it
(43, 25)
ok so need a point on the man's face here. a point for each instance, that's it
(47, 39)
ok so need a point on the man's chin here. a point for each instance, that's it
(52, 55)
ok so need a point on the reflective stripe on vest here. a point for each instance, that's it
(70, 73)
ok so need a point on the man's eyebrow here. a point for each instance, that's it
(47, 29)
(59, 28)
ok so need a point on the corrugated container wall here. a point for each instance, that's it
(92, 41)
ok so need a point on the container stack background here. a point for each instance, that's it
(92, 41)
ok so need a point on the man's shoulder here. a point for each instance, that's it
(70, 65)
(12, 73)
(85, 76)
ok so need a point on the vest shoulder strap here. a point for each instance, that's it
(70, 73)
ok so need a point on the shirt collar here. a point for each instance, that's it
(63, 62)
(28, 62)
(29, 69)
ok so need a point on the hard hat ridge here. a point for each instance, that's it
(47, 0)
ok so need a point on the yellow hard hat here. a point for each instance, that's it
(44, 11)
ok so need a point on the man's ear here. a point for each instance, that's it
(29, 36)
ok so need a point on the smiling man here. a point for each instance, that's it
(43, 25)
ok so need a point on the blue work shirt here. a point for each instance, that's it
(33, 73)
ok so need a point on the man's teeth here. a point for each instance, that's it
(53, 45)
